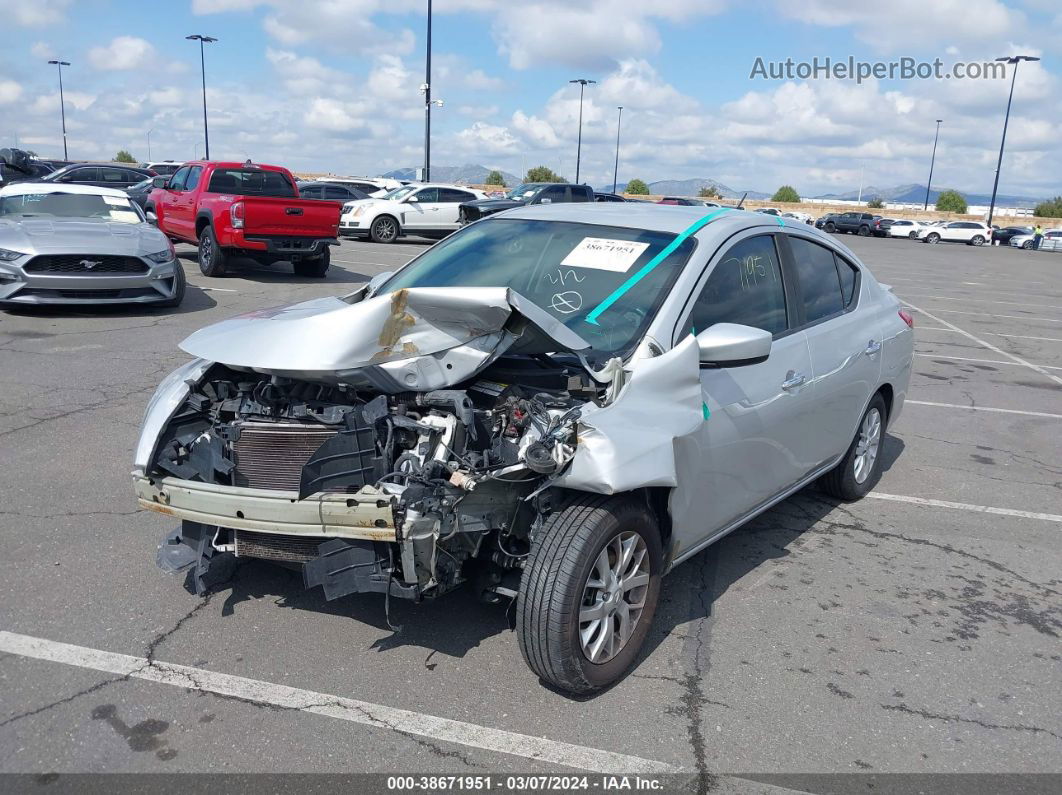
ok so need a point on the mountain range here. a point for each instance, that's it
(469, 174)
(917, 193)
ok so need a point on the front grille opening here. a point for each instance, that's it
(85, 264)
(276, 546)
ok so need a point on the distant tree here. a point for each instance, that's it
(637, 187)
(543, 174)
(124, 157)
(786, 193)
(875, 204)
(1052, 208)
(951, 201)
(495, 178)
(709, 192)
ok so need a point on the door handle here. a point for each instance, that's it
(793, 380)
(872, 347)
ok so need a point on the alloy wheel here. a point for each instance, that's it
(867, 446)
(614, 597)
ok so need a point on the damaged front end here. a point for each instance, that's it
(403, 444)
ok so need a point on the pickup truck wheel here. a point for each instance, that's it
(588, 592)
(864, 231)
(859, 470)
(830, 228)
(384, 230)
(212, 257)
(313, 267)
(179, 285)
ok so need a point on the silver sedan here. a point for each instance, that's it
(74, 244)
(557, 403)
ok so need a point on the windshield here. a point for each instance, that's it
(570, 270)
(525, 191)
(399, 193)
(83, 206)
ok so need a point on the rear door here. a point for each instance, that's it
(845, 346)
(753, 442)
(450, 200)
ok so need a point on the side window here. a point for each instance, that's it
(336, 192)
(83, 175)
(849, 276)
(820, 286)
(744, 287)
(451, 196)
(177, 180)
(192, 181)
(428, 195)
(581, 193)
(554, 193)
(310, 192)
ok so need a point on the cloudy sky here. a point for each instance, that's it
(333, 85)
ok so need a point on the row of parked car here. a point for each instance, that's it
(973, 233)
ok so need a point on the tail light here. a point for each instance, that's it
(907, 318)
(237, 214)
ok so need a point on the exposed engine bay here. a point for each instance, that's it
(460, 474)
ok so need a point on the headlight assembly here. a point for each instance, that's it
(6, 255)
(160, 256)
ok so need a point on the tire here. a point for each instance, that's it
(572, 546)
(1027, 245)
(977, 240)
(863, 231)
(384, 229)
(912, 235)
(314, 267)
(852, 478)
(830, 228)
(181, 284)
(212, 257)
(932, 237)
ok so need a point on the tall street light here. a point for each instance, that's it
(583, 83)
(931, 161)
(202, 65)
(425, 89)
(1015, 60)
(62, 103)
(615, 170)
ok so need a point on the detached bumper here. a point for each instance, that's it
(365, 515)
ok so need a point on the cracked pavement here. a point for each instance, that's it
(872, 637)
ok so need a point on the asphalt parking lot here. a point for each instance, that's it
(915, 631)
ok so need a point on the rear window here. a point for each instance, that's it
(251, 182)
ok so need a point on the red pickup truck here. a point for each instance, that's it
(244, 210)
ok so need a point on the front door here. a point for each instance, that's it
(423, 213)
(752, 444)
(182, 210)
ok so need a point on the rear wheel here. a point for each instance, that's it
(913, 235)
(859, 470)
(384, 230)
(864, 231)
(212, 257)
(313, 267)
(180, 284)
(588, 592)
(932, 237)
(977, 240)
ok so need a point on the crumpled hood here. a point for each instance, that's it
(48, 236)
(414, 339)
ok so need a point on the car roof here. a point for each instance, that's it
(21, 188)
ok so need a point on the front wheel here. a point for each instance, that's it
(1027, 245)
(588, 592)
(830, 228)
(859, 470)
(977, 240)
(313, 267)
(212, 257)
(384, 230)
(932, 237)
(913, 235)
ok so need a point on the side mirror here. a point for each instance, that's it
(413, 198)
(377, 280)
(159, 182)
(732, 344)
(152, 218)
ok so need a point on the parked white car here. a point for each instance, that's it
(972, 233)
(376, 187)
(425, 210)
(902, 227)
(796, 215)
(1052, 240)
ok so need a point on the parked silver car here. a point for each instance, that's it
(555, 405)
(78, 244)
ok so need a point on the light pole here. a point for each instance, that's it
(426, 88)
(931, 161)
(1015, 60)
(615, 170)
(202, 66)
(149, 143)
(583, 83)
(62, 103)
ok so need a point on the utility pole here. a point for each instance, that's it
(149, 143)
(426, 88)
(583, 83)
(615, 170)
(62, 102)
(1015, 60)
(931, 161)
(202, 67)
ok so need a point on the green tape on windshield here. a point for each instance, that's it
(648, 267)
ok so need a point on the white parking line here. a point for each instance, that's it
(382, 717)
(987, 301)
(990, 314)
(1035, 367)
(982, 408)
(218, 290)
(991, 333)
(985, 361)
(963, 506)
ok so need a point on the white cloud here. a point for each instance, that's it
(478, 80)
(34, 13)
(10, 91)
(482, 138)
(123, 53)
(43, 51)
